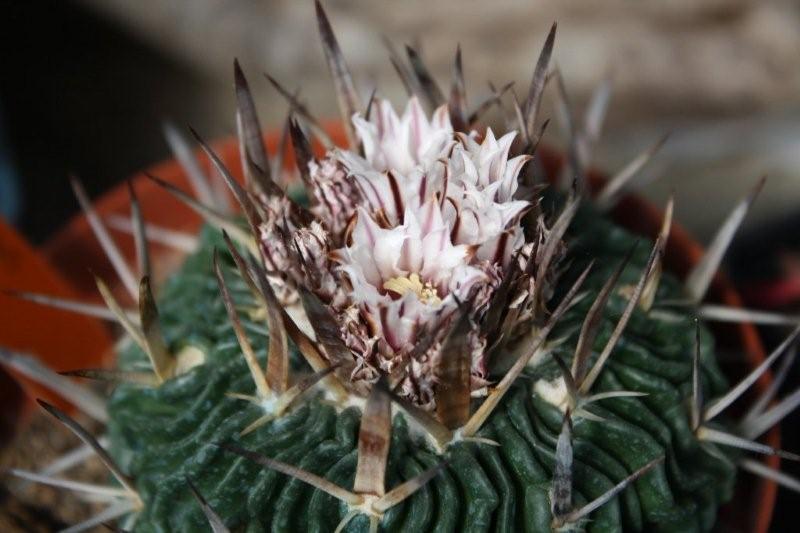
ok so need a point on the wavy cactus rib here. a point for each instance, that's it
(425, 340)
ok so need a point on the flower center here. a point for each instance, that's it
(400, 285)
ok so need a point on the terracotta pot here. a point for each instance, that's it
(74, 247)
(61, 340)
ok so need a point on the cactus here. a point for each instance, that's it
(422, 339)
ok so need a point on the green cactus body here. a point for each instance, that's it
(165, 434)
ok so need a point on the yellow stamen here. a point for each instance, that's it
(412, 283)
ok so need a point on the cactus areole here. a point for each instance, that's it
(430, 336)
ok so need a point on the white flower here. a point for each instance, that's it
(401, 143)
(424, 223)
(480, 191)
(401, 278)
(474, 182)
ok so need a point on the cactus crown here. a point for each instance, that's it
(424, 268)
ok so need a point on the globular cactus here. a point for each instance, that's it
(544, 372)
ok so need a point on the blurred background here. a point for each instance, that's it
(87, 84)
